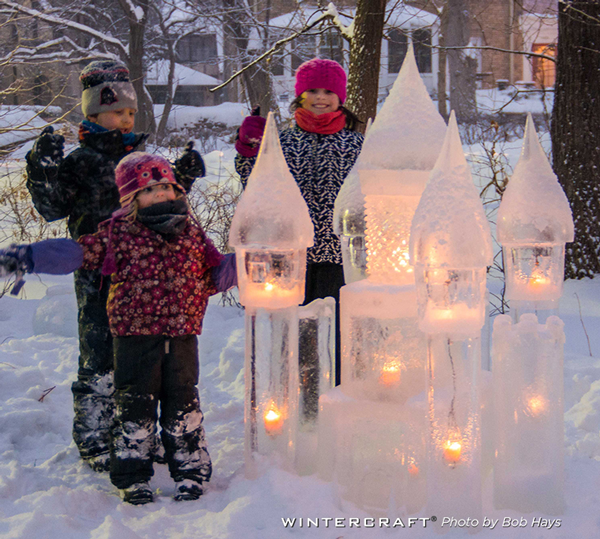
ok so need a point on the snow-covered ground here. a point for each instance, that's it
(47, 492)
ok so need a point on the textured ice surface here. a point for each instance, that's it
(450, 229)
(408, 131)
(534, 208)
(528, 401)
(271, 211)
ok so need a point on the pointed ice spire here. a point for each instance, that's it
(408, 131)
(534, 208)
(450, 229)
(271, 211)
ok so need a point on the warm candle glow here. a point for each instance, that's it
(536, 405)
(269, 287)
(413, 469)
(390, 373)
(452, 451)
(538, 281)
(273, 421)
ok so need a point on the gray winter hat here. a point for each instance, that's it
(106, 87)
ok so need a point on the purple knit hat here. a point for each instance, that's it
(321, 73)
(139, 170)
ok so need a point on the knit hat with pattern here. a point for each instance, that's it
(106, 87)
(139, 170)
(321, 73)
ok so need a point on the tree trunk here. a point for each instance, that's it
(461, 67)
(144, 120)
(576, 130)
(258, 83)
(365, 58)
(442, 59)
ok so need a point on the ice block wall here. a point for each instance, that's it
(528, 395)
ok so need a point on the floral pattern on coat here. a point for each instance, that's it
(159, 287)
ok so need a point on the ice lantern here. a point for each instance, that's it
(270, 231)
(450, 246)
(534, 223)
(382, 351)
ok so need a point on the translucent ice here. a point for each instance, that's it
(271, 211)
(450, 229)
(528, 402)
(534, 207)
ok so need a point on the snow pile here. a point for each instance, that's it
(20, 123)
(230, 114)
(534, 207)
(450, 228)
(408, 131)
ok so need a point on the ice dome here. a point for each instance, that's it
(534, 207)
(450, 229)
(408, 131)
(271, 211)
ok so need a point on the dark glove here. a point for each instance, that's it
(225, 274)
(48, 149)
(16, 260)
(190, 165)
(250, 134)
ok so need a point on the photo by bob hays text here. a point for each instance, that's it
(449, 522)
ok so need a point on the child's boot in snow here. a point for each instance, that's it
(137, 494)
(188, 489)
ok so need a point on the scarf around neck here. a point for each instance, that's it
(86, 127)
(166, 218)
(323, 124)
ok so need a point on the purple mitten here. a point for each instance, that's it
(249, 136)
(225, 274)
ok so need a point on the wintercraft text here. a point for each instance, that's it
(342, 522)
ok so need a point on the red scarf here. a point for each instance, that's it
(324, 124)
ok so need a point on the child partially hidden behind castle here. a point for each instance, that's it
(162, 271)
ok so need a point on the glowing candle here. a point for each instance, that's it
(452, 451)
(536, 406)
(390, 373)
(538, 281)
(273, 421)
(413, 469)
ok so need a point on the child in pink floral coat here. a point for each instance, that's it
(162, 271)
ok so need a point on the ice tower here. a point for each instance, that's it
(534, 223)
(270, 231)
(372, 428)
(450, 247)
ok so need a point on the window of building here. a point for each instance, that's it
(544, 71)
(397, 49)
(422, 45)
(303, 49)
(277, 63)
(331, 46)
(197, 48)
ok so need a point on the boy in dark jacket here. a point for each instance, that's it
(82, 188)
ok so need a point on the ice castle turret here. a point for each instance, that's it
(534, 223)
(451, 246)
(270, 231)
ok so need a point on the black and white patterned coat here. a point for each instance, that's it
(319, 164)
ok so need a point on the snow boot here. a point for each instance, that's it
(137, 494)
(188, 489)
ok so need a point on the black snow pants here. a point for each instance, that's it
(150, 370)
(93, 398)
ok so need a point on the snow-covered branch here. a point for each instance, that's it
(499, 49)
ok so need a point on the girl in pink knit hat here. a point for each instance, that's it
(320, 149)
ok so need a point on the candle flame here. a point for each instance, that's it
(536, 405)
(273, 420)
(390, 373)
(452, 450)
(269, 287)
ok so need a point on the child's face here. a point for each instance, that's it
(121, 119)
(320, 101)
(154, 194)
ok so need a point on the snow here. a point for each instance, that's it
(20, 123)
(408, 132)
(158, 73)
(231, 114)
(534, 207)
